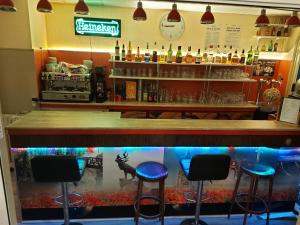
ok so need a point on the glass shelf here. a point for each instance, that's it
(182, 64)
(181, 79)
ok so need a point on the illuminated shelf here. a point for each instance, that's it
(275, 55)
(270, 37)
(181, 79)
(182, 64)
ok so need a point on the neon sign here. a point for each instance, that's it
(97, 27)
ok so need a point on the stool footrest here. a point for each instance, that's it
(144, 215)
(253, 200)
(58, 199)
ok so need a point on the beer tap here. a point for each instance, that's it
(260, 84)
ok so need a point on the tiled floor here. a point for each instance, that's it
(213, 220)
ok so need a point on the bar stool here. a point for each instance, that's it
(151, 172)
(202, 168)
(256, 172)
(61, 169)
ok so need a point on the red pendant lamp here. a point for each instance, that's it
(208, 17)
(7, 6)
(262, 20)
(293, 21)
(139, 14)
(44, 6)
(174, 15)
(81, 8)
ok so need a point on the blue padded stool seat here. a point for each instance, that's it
(151, 171)
(258, 169)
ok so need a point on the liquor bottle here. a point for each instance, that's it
(270, 46)
(250, 57)
(145, 93)
(235, 58)
(170, 54)
(204, 56)
(179, 55)
(210, 56)
(229, 55)
(138, 57)
(117, 51)
(224, 55)
(147, 54)
(263, 48)
(162, 55)
(275, 47)
(189, 57)
(198, 57)
(123, 53)
(243, 57)
(129, 52)
(218, 57)
(154, 55)
(256, 56)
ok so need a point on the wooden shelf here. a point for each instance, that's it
(182, 79)
(182, 64)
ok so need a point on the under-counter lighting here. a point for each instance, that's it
(99, 50)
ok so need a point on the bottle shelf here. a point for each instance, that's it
(181, 79)
(183, 64)
(270, 37)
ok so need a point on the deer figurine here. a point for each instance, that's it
(122, 163)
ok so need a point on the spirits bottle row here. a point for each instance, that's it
(212, 54)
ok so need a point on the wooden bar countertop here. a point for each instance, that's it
(57, 128)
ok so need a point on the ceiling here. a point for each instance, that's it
(251, 7)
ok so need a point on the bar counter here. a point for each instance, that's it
(103, 138)
(58, 128)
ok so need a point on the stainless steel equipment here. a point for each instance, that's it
(66, 87)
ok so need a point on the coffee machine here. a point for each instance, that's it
(100, 90)
(66, 87)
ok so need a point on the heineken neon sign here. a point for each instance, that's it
(97, 27)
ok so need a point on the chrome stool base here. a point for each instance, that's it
(192, 222)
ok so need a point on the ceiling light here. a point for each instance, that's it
(262, 20)
(174, 15)
(139, 14)
(81, 8)
(208, 17)
(293, 21)
(44, 6)
(7, 6)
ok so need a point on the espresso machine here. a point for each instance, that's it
(66, 87)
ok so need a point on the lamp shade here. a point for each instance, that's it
(7, 6)
(174, 15)
(208, 17)
(81, 8)
(262, 20)
(293, 21)
(44, 6)
(139, 14)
